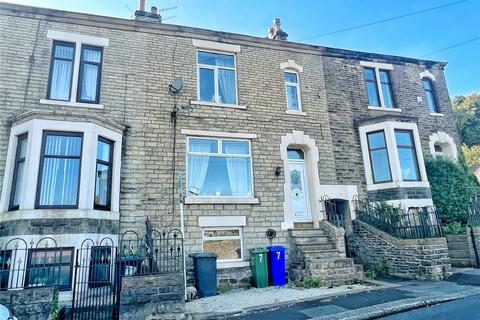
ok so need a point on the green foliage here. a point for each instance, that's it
(55, 306)
(467, 111)
(471, 154)
(371, 273)
(453, 188)
(225, 287)
(391, 213)
(312, 282)
(454, 228)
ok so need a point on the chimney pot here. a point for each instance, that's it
(141, 5)
(154, 10)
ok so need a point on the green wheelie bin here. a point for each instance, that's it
(259, 264)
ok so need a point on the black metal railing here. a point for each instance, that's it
(157, 252)
(474, 213)
(332, 211)
(416, 223)
(35, 264)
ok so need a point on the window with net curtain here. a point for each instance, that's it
(219, 168)
(59, 177)
(61, 71)
(89, 77)
(217, 77)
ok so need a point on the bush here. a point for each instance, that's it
(454, 228)
(453, 188)
(312, 282)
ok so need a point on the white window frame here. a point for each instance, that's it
(377, 66)
(78, 40)
(239, 237)
(389, 128)
(215, 77)
(35, 129)
(297, 86)
(222, 155)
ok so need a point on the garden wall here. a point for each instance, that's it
(422, 259)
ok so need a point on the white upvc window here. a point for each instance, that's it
(54, 165)
(226, 242)
(219, 167)
(217, 79)
(292, 89)
(392, 155)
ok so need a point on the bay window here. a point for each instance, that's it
(407, 155)
(217, 77)
(59, 177)
(225, 242)
(379, 161)
(18, 172)
(219, 168)
(103, 174)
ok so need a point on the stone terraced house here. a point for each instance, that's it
(264, 134)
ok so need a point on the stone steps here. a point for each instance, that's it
(458, 246)
(459, 254)
(307, 233)
(461, 263)
(317, 255)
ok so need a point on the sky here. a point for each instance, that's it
(412, 36)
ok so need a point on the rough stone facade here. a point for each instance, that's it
(422, 259)
(140, 61)
(29, 304)
(153, 297)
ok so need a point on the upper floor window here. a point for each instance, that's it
(18, 172)
(61, 71)
(379, 160)
(217, 77)
(75, 69)
(219, 167)
(293, 91)
(89, 76)
(407, 155)
(59, 176)
(103, 176)
(430, 95)
(379, 87)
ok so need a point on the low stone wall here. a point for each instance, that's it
(422, 259)
(234, 277)
(153, 297)
(29, 304)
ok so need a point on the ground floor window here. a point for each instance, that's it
(227, 243)
(49, 267)
(5, 263)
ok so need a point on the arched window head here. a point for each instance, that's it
(295, 154)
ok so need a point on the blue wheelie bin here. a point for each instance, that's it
(205, 269)
(276, 264)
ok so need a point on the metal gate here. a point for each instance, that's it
(96, 282)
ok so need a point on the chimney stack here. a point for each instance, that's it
(275, 32)
(142, 15)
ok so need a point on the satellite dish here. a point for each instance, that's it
(176, 85)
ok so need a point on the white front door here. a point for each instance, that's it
(298, 190)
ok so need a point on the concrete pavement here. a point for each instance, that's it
(403, 296)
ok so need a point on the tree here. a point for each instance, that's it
(453, 188)
(472, 155)
(467, 111)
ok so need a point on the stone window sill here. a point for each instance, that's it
(232, 264)
(436, 114)
(220, 105)
(398, 184)
(220, 200)
(384, 109)
(296, 112)
(71, 104)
